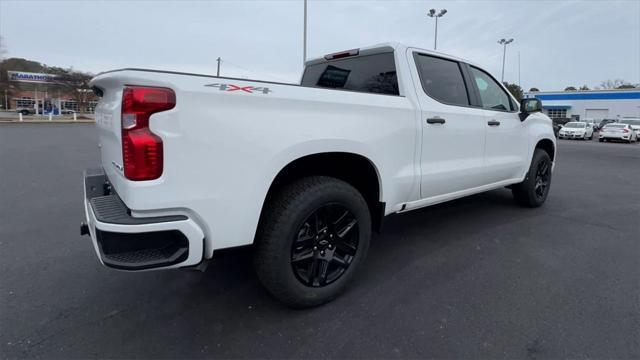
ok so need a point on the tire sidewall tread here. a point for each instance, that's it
(283, 216)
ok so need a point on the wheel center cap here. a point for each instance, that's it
(323, 242)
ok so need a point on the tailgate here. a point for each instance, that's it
(107, 116)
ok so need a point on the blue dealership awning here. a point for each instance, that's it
(556, 107)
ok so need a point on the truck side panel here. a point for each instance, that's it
(223, 146)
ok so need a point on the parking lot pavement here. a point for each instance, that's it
(474, 278)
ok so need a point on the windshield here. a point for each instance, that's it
(575, 125)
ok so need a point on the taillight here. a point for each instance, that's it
(625, 130)
(141, 149)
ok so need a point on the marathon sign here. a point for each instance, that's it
(31, 77)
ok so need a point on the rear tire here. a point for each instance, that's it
(312, 238)
(533, 191)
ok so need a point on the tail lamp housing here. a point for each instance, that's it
(142, 150)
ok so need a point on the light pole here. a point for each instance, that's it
(304, 36)
(432, 13)
(504, 43)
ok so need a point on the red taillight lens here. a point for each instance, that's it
(625, 130)
(142, 149)
(343, 54)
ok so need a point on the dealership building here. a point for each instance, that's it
(38, 93)
(590, 104)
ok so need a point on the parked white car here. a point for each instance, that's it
(619, 132)
(192, 164)
(590, 122)
(576, 130)
(634, 123)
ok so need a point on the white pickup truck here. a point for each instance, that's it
(192, 164)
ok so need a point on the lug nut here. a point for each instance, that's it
(315, 248)
(322, 252)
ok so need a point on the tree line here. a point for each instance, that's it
(518, 92)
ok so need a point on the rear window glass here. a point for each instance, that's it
(371, 73)
(616, 126)
(442, 79)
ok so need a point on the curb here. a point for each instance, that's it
(47, 122)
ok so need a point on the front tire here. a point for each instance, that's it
(313, 236)
(533, 191)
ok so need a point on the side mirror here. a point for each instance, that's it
(528, 106)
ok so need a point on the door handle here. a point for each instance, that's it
(493, 123)
(435, 120)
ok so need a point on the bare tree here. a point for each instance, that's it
(613, 84)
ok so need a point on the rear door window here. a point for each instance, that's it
(442, 79)
(370, 73)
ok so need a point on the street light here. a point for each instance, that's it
(304, 36)
(504, 43)
(432, 13)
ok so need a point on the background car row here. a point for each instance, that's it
(627, 130)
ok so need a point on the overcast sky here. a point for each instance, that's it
(561, 43)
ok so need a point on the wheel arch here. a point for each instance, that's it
(548, 146)
(355, 169)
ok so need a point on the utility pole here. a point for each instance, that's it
(504, 43)
(432, 13)
(304, 36)
(218, 60)
(519, 69)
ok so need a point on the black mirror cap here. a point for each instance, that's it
(528, 106)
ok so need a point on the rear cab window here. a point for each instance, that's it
(442, 79)
(374, 73)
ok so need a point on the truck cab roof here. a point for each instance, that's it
(378, 49)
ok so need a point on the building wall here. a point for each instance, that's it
(22, 98)
(601, 104)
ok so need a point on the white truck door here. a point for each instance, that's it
(453, 131)
(506, 139)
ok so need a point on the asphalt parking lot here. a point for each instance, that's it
(475, 278)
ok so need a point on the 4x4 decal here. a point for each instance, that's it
(250, 89)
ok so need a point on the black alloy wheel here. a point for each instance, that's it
(313, 237)
(543, 176)
(533, 191)
(325, 246)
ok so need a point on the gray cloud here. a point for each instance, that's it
(561, 43)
